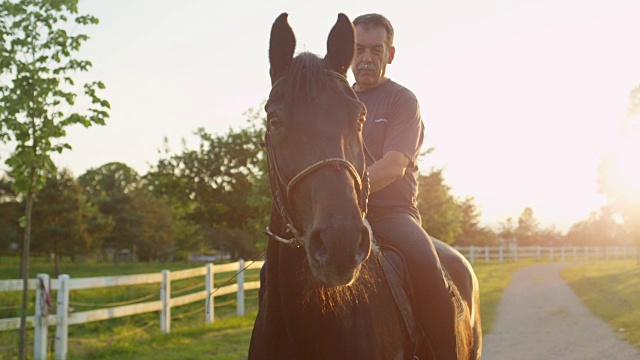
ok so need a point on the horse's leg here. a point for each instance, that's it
(463, 276)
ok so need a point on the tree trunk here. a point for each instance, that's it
(56, 259)
(22, 351)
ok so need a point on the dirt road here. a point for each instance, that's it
(540, 318)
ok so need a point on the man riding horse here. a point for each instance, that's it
(325, 289)
(393, 133)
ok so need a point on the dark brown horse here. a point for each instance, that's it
(327, 296)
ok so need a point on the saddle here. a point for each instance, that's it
(397, 275)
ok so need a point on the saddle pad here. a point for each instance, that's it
(393, 268)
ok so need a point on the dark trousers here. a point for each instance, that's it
(401, 229)
(435, 313)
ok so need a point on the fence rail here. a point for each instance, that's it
(552, 253)
(43, 286)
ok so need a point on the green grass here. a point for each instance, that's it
(122, 337)
(10, 267)
(227, 338)
(139, 337)
(611, 290)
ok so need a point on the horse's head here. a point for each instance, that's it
(315, 152)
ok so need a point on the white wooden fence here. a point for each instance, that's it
(43, 286)
(551, 253)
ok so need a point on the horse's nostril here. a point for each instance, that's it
(317, 248)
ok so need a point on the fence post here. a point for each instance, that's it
(471, 255)
(41, 315)
(486, 254)
(538, 252)
(551, 253)
(208, 287)
(240, 293)
(165, 297)
(562, 251)
(575, 253)
(501, 255)
(515, 253)
(62, 318)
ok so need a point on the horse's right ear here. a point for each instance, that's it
(341, 45)
(281, 47)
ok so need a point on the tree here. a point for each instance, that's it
(507, 232)
(10, 208)
(220, 185)
(37, 56)
(601, 228)
(619, 177)
(156, 233)
(439, 210)
(527, 229)
(447, 218)
(162, 183)
(471, 231)
(60, 219)
(110, 189)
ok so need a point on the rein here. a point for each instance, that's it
(230, 279)
(281, 200)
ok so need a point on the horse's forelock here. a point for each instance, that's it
(305, 77)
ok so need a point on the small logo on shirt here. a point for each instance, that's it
(381, 120)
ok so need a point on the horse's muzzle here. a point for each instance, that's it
(336, 253)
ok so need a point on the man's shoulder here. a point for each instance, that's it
(400, 91)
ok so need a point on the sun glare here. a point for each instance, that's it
(625, 171)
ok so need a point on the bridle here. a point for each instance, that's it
(281, 200)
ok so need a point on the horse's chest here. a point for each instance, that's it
(350, 338)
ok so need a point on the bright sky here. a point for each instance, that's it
(520, 98)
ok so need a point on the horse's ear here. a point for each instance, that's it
(341, 45)
(281, 47)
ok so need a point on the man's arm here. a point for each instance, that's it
(387, 170)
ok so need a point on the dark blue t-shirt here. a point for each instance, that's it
(393, 123)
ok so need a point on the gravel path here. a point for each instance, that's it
(540, 318)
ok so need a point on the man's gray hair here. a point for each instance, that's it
(376, 20)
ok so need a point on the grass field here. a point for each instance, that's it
(119, 337)
(611, 290)
(139, 337)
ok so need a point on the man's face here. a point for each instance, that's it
(372, 56)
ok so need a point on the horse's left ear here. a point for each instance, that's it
(341, 45)
(281, 47)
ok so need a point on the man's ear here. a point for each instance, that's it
(392, 53)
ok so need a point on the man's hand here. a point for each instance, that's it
(387, 170)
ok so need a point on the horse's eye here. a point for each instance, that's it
(275, 122)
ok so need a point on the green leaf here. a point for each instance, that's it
(33, 89)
